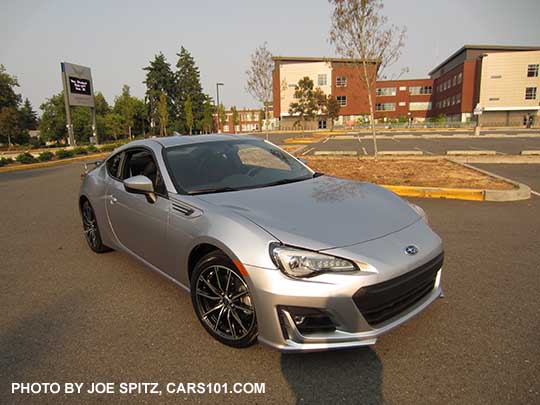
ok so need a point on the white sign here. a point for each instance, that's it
(78, 84)
(478, 110)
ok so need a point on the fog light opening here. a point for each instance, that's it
(310, 320)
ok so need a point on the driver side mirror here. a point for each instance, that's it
(141, 185)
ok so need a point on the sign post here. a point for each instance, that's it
(78, 91)
(478, 110)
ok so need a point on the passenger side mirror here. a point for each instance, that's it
(141, 185)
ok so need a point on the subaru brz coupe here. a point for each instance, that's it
(268, 249)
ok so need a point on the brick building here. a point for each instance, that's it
(502, 81)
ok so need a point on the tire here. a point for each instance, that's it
(222, 301)
(91, 229)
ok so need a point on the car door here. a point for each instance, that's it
(139, 224)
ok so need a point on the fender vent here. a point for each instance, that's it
(187, 211)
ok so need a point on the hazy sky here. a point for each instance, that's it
(118, 38)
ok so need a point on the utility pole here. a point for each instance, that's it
(218, 106)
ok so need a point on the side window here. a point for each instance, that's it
(140, 162)
(113, 164)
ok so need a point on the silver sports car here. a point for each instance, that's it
(269, 249)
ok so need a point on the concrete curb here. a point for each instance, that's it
(335, 152)
(521, 192)
(52, 163)
(531, 152)
(400, 152)
(470, 152)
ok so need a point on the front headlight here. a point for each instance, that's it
(419, 210)
(304, 263)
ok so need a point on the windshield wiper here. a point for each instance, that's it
(211, 190)
(284, 181)
(318, 174)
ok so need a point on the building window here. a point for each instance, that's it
(496, 77)
(342, 100)
(530, 93)
(454, 81)
(402, 103)
(386, 91)
(341, 81)
(402, 88)
(494, 99)
(322, 124)
(420, 106)
(385, 107)
(414, 90)
(321, 80)
(458, 98)
(532, 70)
(459, 77)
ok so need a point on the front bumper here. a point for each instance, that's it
(334, 294)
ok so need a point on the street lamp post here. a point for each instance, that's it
(217, 106)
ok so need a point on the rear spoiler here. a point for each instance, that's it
(89, 166)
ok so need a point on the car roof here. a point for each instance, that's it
(178, 140)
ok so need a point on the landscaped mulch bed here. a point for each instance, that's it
(406, 172)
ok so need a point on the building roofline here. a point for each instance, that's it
(320, 59)
(403, 80)
(487, 48)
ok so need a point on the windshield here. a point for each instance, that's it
(220, 166)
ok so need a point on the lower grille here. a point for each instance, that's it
(380, 302)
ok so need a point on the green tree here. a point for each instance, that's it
(188, 84)
(114, 124)
(101, 105)
(222, 115)
(305, 108)
(207, 123)
(159, 79)
(52, 126)
(332, 107)
(8, 97)
(125, 105)
(10, 129)
(163, 114)
(235, 118)
(188, 112)
(28, 116)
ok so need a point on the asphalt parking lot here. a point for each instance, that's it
(432, 146)
(70, 315)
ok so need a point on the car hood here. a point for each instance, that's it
(320, 213)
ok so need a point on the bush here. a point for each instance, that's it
(80, 151)
(26, 158)
(5, 161)
(64, 154)
(92, 149)
(45, 156)
(108, 147)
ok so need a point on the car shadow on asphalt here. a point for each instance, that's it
(353, 375)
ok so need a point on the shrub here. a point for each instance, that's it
(5, 161)
(64, 153)
(108, 147)
(92, 149)
(26, 158)
(80, 151)
(45, 156)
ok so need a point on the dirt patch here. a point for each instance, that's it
(407, 172)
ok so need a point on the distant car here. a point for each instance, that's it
(268, 248)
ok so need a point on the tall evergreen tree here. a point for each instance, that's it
(207, 123)
(188, 83)
(28, 116)
(159, 79)
(188, 110)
